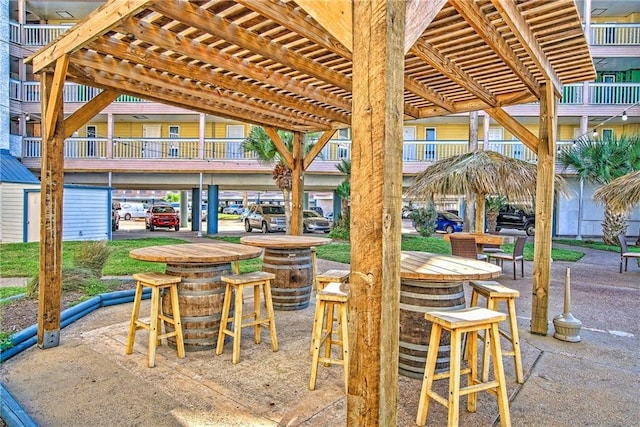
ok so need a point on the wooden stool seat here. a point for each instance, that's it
(494, 293)
(334, 296)
(157, 282)
(458, 323)
(238, 282)
(332, 276)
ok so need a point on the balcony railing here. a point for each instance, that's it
(230, 149)
(624, 34)
(72, 92)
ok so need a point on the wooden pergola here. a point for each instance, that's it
(321, 65)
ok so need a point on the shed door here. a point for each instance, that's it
(33, 216)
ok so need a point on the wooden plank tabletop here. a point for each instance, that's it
(485, 238)
(283, 241)
(214, 252)
(442, 268)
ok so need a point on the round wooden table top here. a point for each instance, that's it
(283, 241)
(486, 238)
(442, 268)
(213, 252)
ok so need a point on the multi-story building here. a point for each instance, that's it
(137, 146)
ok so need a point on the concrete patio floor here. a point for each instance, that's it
(88, 380)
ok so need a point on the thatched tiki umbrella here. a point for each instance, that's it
(482, 173)
(621, 194)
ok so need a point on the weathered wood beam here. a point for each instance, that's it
(127, 72)
(484, 28)
(287, 157)
(162, 95)
(293, 19)
(523, 134)
(522, 97)
(166, 39)
(89, 110)
(55, 100)
(519, 27)
(427, 93)
(224, 29)
(207, 75)
(376, 195)
(297, 185)
(450, 69)
(419, 15)
(51, 201)
(334, 15)
(317, 147)
(96, 24)
(544, 211)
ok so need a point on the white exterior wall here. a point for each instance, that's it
(12, 211)
(592, 213)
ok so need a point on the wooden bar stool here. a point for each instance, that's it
(459, 322)
(333, 296)
(494, 293)
(156, 281)
(238, 282)
(340, 276)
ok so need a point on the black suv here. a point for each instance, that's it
(512, 217)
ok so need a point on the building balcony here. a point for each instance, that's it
(179, 152)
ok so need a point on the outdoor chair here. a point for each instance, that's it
(517, 255)
(624, 252)
(465, 246)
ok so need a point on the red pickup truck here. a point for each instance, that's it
(162, 216)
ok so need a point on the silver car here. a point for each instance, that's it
(313, 222)
(267, 218)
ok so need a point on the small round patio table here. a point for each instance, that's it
(431, 282)
(289, 258)
(201, 292)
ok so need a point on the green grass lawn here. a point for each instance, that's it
(22, 259)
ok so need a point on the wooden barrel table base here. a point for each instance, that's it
(291, 289)
(416, 298)
(200, 295)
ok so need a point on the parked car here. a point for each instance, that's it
(267, 218)
(517, 218)
(131, 210)
(233, 209)
(449, 223)
(115, 216)
(313, 222)
(162, 216)
(329, 216)
(317, 209)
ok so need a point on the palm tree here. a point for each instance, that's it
(259, 143)
(602, 162)
(493, 204)
(344, 191)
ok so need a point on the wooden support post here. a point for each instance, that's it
(297, 184)
(544, 211)
(52, 181)
(376, 195)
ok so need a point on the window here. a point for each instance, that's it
(343, 133)
(92, 132)
(430, 149)
(518, 149)
(607, 134)
(174, 133)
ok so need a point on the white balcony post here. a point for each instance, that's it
(109, 135)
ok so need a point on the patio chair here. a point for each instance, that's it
(624, 252)
(465, 246)
(517, 255)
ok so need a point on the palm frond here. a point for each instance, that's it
(622, 193)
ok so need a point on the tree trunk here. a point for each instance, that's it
(614, 224)
(492, 221)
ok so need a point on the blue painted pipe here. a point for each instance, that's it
(10, 352)
(24, 335)
(11, 298)
(11, 411)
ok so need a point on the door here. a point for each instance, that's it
(150, 148)
(174, 133)
(92, 132)
(33, 216)
(235, 132)
(409, 138)
(430, 149)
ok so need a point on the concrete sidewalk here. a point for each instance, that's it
(88, 380)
